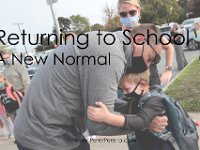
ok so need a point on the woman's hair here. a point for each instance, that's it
(5, 79)
(132, 2)
(136, 78)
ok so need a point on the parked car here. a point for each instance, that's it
(32, 70)
(187, 24)
(194, 37)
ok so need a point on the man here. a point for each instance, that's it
(15, 72)
(53, 114)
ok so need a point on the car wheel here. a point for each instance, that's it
(193, 45)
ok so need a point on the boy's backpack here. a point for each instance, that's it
(181, 132)
(11, 104)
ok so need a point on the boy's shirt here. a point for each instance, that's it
(139, 122)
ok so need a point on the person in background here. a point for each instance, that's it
(9, 98)
(180, 57)
(16, 73)
(129, 12)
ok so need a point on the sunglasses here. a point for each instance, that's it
(157, 57)
(125, 14)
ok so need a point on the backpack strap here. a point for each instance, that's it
(9, 92)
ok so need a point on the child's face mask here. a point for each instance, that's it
(133, 94)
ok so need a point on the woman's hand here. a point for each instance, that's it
(165, 77)
(99, 113)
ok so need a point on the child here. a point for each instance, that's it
(9, 98)
(135, 85)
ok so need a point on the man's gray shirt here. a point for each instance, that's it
(59, 95)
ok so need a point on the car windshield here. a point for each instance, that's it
(188, 22)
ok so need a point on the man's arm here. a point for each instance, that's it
(169, 51)
(102, 85)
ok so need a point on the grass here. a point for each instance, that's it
(186, 87)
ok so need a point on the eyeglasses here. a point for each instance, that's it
(125, 14)
(157, 57)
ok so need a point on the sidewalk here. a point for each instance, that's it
(101, 143)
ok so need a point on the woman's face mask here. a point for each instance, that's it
(130, 22)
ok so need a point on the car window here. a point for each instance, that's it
(188, 22)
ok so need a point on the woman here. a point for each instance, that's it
(129, 11)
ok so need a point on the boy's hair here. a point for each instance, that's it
(136, 78)
(151, 32)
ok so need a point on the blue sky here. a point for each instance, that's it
(36, 15)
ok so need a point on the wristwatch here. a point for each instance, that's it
(168, 68)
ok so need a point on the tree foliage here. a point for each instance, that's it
(45, 45)
(64, 23)
(79, 24)
(112, 20)
(193, 8)
(97, 27)
(153, 11)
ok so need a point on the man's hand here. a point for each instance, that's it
(165, 77)
(158, 124)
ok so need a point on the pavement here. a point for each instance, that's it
(117, 142)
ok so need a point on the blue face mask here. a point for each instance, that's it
(2, 85)
(130, 22)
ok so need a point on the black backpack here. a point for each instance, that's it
(182, 132)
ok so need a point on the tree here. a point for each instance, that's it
(64, 23)
(79, 24)
(112, 20)
(193, 8)
(45, 45)
(153, 11)
(97, 27)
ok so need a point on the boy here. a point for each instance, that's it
(135, 86)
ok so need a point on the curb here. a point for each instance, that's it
(165, 88)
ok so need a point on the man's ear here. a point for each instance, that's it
(139, 39)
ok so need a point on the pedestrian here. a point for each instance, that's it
(53, 114)
(130, 14)
(7, 130)
(180, 57)
(9, 98)
(15, 72)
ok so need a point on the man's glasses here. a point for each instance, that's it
(157, 57)
(125, 14)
